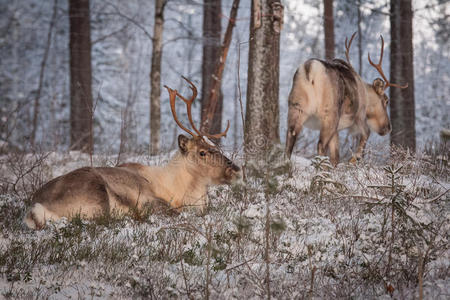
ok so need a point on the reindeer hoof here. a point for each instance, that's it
(353, 160)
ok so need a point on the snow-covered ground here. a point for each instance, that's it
(300, 230)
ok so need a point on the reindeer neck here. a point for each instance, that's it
(175, 184)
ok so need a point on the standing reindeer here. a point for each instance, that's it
(183, 182)
(330, 96)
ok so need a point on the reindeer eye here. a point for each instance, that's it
(202, 153)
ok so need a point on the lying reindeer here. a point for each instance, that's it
(89, 192)
(331, 96)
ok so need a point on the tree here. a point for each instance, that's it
(328, 24)
(212, 29)
(155, 78)
(214, 94)
(262, 108)
(41, 74)
(81, 109)
(402, 100)
(360, 37)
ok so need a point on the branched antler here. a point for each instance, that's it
(380, 69)
(172, 97)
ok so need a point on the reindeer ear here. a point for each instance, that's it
(183, 143)
(378, 86)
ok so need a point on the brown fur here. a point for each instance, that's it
(331, 96)
(89, 192)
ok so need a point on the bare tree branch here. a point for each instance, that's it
(101, 39)
(129, 19)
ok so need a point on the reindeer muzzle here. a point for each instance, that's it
(385, 130)
(232, 172)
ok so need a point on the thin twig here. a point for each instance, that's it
(240, 264)
(420, 274)
(186, 283)
(311, 284)
(244, 175)
(129, 19)
(208, 258)
(102, 38)
(437, 197)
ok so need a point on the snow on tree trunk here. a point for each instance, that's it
(81, 109)
(211, 53)
(262, 109)
(155, 78)
(402, 100)
(328, 23)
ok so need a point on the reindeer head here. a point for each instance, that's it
(376, 111)
(377, 116)
(204, 158)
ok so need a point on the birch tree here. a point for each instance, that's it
(262, 108)
(155, 78)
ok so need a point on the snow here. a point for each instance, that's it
(335, 220)
(344, 234)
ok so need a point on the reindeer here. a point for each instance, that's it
(89, 192)
(330, 96)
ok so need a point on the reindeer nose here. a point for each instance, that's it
(233, 171)
(237, 172)
(232, 166)
(386, 129)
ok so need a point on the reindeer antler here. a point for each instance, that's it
(380, 69)
(172, 96)
(189, 104)
(347, 47)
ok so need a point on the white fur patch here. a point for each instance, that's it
(208, 141)
(39, 214)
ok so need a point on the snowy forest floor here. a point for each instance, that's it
(300, 230)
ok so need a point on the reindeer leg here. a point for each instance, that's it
(363, 137)
(328, 130)
(296, 118)
(334, 148)
(325, 138)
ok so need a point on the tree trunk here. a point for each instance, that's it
(81, 109)
(360, 37)
(402, 100)
(328, 23)
(262, 109)
(155, 78)
(216, 80)
(212, 29)
(41, 74)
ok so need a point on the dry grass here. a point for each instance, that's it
(297, 231)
